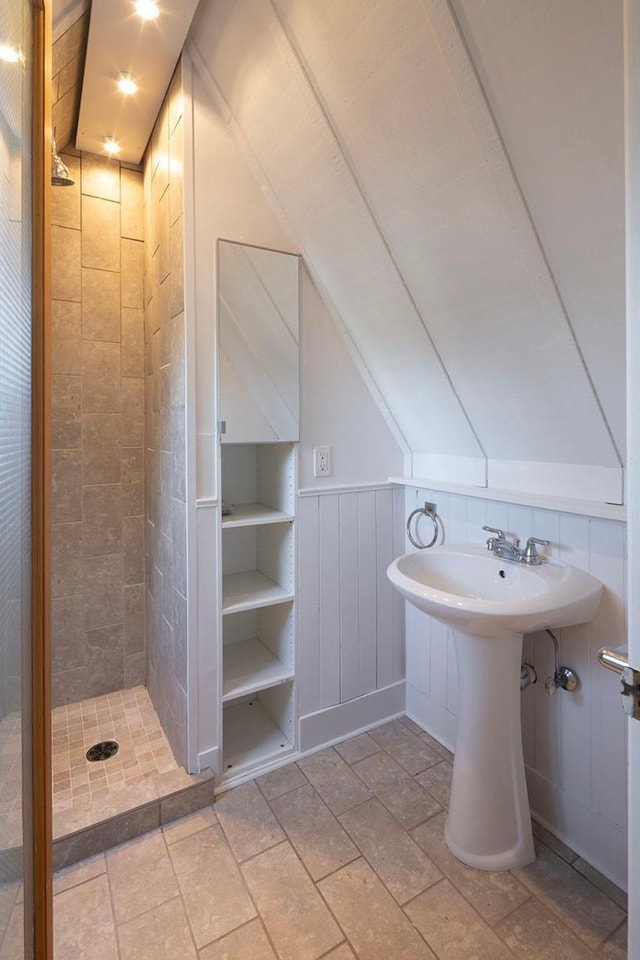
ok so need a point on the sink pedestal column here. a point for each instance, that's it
(489, 825)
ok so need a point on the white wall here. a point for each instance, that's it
(369, 127)
(574, 743)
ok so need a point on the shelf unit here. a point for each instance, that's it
(258, 596)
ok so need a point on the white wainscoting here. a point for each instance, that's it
(350, 620)
(574, 744)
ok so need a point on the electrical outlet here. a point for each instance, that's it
(321, 461)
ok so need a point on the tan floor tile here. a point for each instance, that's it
(281, 781)
(615, 948)
(214, 895)
(437, 781)
(437, 746)
(248, 823)
(533, 933)
(79, 873)
(343, 952)
(293, 912)
(246, 943)
(12, 942)
(409, 803)
(373, 922)
(334, 780)
(318, 838)
(585, 910)
(179, 829)
(493, 895)
(452, 928)
(130, 868)
(602, 883)
(357, 748)
(412, 753)
(83, 926)
(411, 725)
(161, 933)
(399, 862)
(556, 845)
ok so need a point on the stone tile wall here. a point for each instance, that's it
(165, 457)
(97, 431)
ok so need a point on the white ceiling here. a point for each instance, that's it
(121, 43)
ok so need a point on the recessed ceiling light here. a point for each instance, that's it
(127, 85)
(112, 146)
(147, 9)
(9, 54)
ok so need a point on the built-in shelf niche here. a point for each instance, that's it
(257, 650)
(258, 481)
(258, 729)
(258, 566)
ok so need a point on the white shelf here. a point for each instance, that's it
(253, 514)
(250, 737)
(248, 667)
(248, 591)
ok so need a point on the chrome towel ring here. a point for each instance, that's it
(429, 510)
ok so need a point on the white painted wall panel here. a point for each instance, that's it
(416, 139)
(350, 621)
(308, 634)
(553, 74)
(574, 744)
(246, 53)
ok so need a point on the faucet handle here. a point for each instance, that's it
(530, 554)
(500, 533)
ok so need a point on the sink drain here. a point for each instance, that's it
(102, 751)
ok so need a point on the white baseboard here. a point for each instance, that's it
(597, 840)
(435, 719)
(208, 760)
(348, 719)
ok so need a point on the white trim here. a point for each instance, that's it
(194, 670)
(471, 470)
(597, 840)
(583, 508)
(206, 502)
(574, 480)
(345, 488)
(333, 724)
(209, 760)
(439, 722)
(632, 228)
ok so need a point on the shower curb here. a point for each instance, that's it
(120, 827)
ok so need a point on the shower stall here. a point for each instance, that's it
(119, 569)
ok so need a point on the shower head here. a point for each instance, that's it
(60, 176)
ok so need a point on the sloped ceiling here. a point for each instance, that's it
(453, 176)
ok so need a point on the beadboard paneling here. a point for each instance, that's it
(574, 744)
(350, 627)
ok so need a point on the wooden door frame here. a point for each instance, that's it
(41, 838)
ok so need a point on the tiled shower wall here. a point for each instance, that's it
(97, 431)
(166, 541)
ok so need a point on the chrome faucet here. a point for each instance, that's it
(507, 547)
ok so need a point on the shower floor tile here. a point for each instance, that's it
(85, 792)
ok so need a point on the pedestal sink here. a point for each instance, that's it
(490, 603)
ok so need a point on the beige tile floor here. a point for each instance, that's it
(339, 856)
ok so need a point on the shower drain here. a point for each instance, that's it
(102, 751)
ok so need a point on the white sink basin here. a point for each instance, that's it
(470, 588)
(489, 603)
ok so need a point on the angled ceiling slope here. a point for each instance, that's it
(120, 43)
